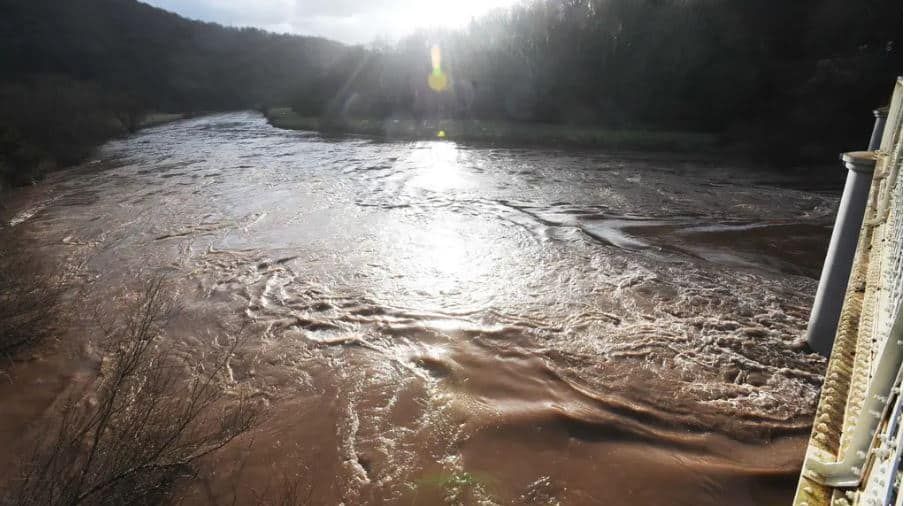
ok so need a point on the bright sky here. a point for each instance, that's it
(351, 21)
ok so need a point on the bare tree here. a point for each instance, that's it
(129, 111)
(150, 417)
(28, 297)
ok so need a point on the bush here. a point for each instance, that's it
(148, 420)
(28, 297)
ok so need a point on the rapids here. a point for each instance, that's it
(435, 322)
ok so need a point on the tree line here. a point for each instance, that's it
(795, 80)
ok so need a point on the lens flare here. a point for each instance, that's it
(437, 80)
(436, 58)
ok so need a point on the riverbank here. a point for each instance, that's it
(161, 118)
(24, 162)
(503, 132)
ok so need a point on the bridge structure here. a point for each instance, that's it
(854, 455)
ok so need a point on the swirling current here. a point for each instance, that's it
(438, 323)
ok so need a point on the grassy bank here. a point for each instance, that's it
(502, 132)
(160, 118)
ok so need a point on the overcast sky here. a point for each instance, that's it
(352, 21)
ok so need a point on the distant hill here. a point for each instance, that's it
(74, 73)
(160, 58)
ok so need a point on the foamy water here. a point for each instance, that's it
(432, 322)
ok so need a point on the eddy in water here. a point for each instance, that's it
(430, 323)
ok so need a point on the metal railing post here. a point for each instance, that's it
(875, 140)
(842, 246)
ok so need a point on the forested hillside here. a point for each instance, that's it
(74, 73)
(794, 80)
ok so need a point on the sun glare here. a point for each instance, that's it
(440, 14)
(439, 166)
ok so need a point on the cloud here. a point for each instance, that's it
(352, 21)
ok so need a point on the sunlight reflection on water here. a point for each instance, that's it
(431, 306)
(438, 164)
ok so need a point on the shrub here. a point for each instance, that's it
(149, 418)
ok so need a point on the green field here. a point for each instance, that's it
(501, 132)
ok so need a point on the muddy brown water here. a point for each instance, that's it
(439, 323)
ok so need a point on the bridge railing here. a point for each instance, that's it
(854, 453)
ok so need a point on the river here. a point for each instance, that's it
(435, 322)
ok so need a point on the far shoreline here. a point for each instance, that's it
(505, 133)
(674, 146)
